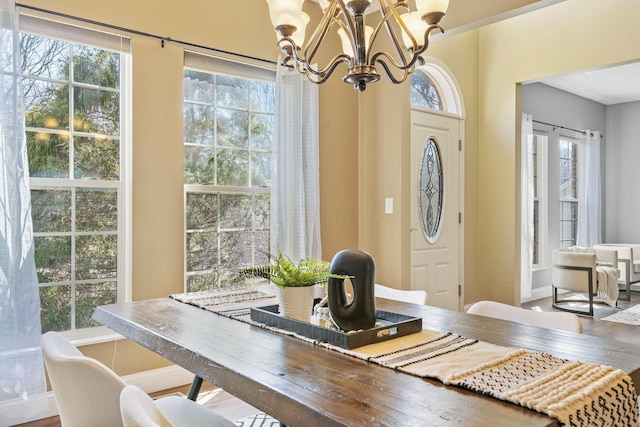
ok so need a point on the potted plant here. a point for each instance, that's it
(294, 282)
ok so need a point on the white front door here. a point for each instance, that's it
(435, 208)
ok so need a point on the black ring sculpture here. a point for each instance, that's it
(360, 267)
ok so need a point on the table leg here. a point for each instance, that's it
(195, 388)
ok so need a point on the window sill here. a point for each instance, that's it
(89, 336)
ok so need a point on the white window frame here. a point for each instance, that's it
(219, 65)
(565, 199)
(34, 24)
(541, 140)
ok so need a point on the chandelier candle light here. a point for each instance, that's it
(358, 39)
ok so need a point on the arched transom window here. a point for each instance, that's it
(425, 92)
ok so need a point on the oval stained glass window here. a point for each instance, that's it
(431, 195)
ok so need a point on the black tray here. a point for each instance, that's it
(393, 326)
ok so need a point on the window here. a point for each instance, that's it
(228, 125)
(431, 191)
(539, 171)
(424, 91)
(75, 96)
(568, 191)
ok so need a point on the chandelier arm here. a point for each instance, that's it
(426, 37)
(380, 57)
(387, 10)
(396, 44)
(393, 10)
(328, 70)
(415, 57)
(347, 30)
(324, 75)
(390, 76)
(319, 33)
(288, 47)
(348, 23)
(376, 30)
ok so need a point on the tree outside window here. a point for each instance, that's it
(228, 125)
(72, 114)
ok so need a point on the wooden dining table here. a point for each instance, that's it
(303, 384)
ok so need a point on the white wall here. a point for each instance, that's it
(622, 201)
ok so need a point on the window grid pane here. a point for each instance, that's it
(72, 117)
(424, 91)
(228, 127)
(568, 192)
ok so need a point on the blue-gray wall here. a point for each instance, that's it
(620, 162)
(622, 189)
(558, 107)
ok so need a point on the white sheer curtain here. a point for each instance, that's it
(22, 381)
(526, 205)
(589, 187)
(295, 194)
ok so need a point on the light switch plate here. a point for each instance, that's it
(388, 205)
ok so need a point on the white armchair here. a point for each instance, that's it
(628, 264)
(587, 270)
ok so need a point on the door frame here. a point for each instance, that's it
(453, 107)
(460, 196)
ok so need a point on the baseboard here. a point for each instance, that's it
(160, 379)
(539, 293)
(18, 411)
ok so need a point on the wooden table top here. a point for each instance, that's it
(302, 384)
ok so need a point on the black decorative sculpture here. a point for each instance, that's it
(361, 312)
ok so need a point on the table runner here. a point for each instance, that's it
(575, 393)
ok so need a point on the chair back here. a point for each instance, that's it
(138, 409)
(415, 297)
(550, 320)
(87, 392)
(571, 270)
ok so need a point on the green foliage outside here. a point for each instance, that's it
(228, 132)
(228, 125)
(76, 271)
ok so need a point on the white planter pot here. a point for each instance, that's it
(296, 302)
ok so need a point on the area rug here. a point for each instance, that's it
(630, 316)
(258, 420)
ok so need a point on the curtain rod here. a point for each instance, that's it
(162, 39)
(584, 132)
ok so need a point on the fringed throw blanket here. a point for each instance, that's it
(575, 393)
(608, 284)
(607, 277)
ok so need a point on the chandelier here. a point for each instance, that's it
(347, 17)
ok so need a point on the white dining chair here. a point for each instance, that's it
(415, 297)
(87, 392)
(545, 319)
(138, 409)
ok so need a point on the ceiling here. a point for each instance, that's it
(463, 15)
(608, 86)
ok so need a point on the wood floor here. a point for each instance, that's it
(235, 409)
(210, 396)
(595, 326)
